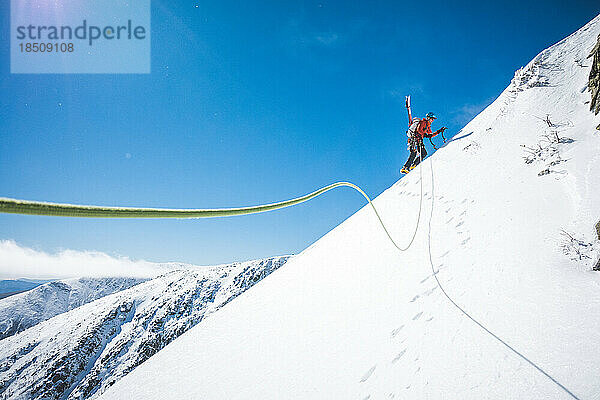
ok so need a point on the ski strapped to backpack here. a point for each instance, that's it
(413, 124)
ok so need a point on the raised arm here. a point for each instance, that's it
(430, 135)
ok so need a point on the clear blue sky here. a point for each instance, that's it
(252, 102)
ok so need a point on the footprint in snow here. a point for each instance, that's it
(399, 356)
(425, 280)
(465, 241)
(460, 224)
(448, 210)
(416, 317)
(429, 319)
(368, 374)
(397, 330)
(450, 220)
(427, 293)
(414, 299)
(445, 254)
(464, 201)
(367, 398)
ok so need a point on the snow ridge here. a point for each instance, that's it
(28, 309)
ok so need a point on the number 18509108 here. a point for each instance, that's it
(46, 47)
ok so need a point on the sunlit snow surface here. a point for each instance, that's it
(352, 318)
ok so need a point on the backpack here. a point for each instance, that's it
(412, 129)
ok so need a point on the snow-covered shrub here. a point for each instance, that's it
(581, 251)
(547, 150)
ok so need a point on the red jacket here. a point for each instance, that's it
(424, 129)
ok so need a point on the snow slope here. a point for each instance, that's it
(353, 318)
(78, 354)
(25, 310)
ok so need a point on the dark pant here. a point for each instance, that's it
(414, 159)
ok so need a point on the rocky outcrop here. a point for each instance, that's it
(594, 81)
(597, 267)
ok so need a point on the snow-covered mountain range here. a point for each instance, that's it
(509, 209)
(79, 353)
(25, 310)
(10, 287)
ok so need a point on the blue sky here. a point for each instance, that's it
(253, 102)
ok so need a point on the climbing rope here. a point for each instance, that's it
(14, 206)
(465, 313)
(414, 235)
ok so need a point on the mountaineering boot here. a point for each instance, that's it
(413, 167)
(404, 170)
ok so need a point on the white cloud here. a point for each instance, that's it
(327, 38)
(301, 34)
(22, 262)
(467, 112)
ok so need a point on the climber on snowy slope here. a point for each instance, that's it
(418, 130)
